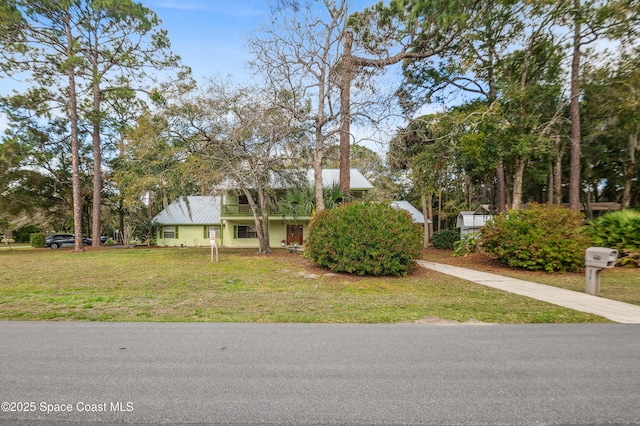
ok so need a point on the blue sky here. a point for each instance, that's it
(210, 35)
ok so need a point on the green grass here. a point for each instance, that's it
(183, 285)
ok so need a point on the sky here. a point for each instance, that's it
(210, 35)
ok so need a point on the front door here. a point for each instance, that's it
(294, 234)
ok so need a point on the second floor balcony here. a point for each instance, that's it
(239, 210)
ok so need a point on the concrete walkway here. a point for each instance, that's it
(615, 311)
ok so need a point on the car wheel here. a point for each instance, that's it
(54, 245)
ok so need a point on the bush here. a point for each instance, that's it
(445, 239)
(468, 244)
(621, 231)
(364, 239)
(23, 234)
(37, 240)
(542, 237)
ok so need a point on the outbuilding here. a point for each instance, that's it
(472, 221)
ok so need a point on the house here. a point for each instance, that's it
(472, 221)
(286, 226)
(188, 221)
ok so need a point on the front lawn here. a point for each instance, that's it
(171, 284)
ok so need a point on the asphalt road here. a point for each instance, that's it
(168, 373)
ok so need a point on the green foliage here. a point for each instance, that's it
(619, 230)
(145, 229)
(23, 234)
(364, 239)
(467, 244)
(37, 240)
(445, 239)
(542, 237)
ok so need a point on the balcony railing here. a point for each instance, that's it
(245, 210)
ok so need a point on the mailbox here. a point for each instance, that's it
(595, 260)
(601, 257)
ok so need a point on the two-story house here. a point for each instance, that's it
(189, 221)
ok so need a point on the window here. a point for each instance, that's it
(169, 232)
(212, 229)
(243, 231)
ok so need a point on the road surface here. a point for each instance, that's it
(171, 373)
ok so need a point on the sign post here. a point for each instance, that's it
(214, 245)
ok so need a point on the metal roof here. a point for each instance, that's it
(331, 177)
(469, 219)
(405, 205)
(192, 210)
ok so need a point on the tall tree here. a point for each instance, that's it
(590, 20)
(611, 111)
(242, 131)
(472, 66)
(36, 171)
(120, 41)
(532, 106)
(77, 50)
(381, 36)
(298, 53)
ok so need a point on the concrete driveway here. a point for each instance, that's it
(168, 373)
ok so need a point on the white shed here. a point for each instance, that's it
(472, 221)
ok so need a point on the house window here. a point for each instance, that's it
(169, 232)
(243, 231)
(213, 229)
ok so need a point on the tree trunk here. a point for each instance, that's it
(75, 143)
(550, 185)
(317, 170)
(430, 214)
(557, 177)
(97, 169)
(501, 187)
(517, 184)
(345, 118)
(574, 177)
(425, 212)
(628, 171)
(120, 222)
(261, 223)
(440, 210)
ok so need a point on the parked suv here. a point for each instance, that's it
(58, 240)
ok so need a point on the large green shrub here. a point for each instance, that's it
(364, 239)
(23, 234)
(37, 240)
(619, 230)
(541, 237)
(445, 239)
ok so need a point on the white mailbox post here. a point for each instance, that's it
(595, 260)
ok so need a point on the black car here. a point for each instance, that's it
(58, 240)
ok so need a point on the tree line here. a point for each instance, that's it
(113, 124)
